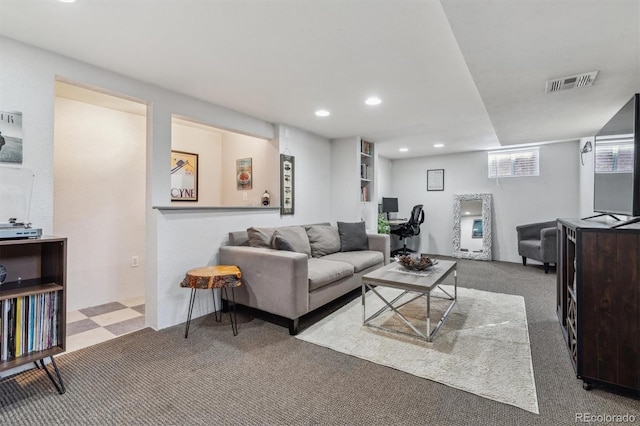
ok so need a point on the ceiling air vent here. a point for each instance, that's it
(571, 82)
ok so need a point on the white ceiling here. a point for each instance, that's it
(467, 73)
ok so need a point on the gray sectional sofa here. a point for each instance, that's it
(290, 271)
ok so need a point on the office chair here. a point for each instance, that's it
(411, 228)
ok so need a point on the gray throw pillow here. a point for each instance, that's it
(296, 236)
(324, 240)
(260, 237)
(353, 236)
(280, 243)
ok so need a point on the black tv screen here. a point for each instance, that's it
(617, 163)
(389, 205)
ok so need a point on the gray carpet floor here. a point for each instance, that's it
(263, 376)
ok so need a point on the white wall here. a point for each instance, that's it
(265, 171)
(586, 179)
(208, 145)
(383, 177)
(553, 194)
(99, 192)
(345, 186)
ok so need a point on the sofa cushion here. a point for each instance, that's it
(260, 237)
(353, 236)
(360, 260)
(323, 240)
(280, 243)
(296, 236)
(322, 272)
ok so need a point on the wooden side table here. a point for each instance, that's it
(213, 277)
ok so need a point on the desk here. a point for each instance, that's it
(397, 222)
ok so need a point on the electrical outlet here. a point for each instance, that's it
(135, 262)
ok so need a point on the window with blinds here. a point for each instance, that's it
(614, 155)
(514, 163)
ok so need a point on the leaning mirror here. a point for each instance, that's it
(472, 226)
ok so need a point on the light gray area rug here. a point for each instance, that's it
(483, 346)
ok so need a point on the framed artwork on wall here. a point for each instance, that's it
(184, 176)
(287, 195)
(244, 177)
(10, 137)
(435, 180)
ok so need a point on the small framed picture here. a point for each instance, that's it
(244, 180)
(184, 176)
(435, 180)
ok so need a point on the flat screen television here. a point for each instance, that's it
(389, 205)
(617, 163)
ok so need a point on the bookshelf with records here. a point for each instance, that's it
(33, 303)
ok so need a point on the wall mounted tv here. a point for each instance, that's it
(617, 163)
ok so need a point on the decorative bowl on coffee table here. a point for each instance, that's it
(416, 263)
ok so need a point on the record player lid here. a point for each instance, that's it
(16, 185)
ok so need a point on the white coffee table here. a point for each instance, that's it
(422, 284)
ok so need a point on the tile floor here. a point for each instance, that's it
(97, 324)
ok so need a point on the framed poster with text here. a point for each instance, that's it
(184, 176)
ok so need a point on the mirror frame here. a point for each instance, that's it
(486, 226)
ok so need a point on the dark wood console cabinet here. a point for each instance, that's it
(598, 302)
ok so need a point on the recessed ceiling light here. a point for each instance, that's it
(322, 113)
(373, 100)
(438, 145)
(67, 1)
(467, 212)
(403, 149)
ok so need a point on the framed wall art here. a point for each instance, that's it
(244, 177)
(287, 195)
(435, 180)
(10, 137)
(184, 176)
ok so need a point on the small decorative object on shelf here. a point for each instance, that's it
(266, 198)
(3, 274)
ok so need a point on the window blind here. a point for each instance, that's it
(514, 163)
(614, 156)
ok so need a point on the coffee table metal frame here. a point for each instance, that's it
(423, 285)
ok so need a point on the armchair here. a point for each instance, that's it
(538, 241)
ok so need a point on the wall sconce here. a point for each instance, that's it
(586, 148)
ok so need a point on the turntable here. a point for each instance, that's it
(15, 202)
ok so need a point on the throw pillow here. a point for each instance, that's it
(353, 236)
(297, 237)
(280, 243)
(260, 237)
(323, 239)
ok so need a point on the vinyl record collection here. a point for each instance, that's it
(28, 324)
